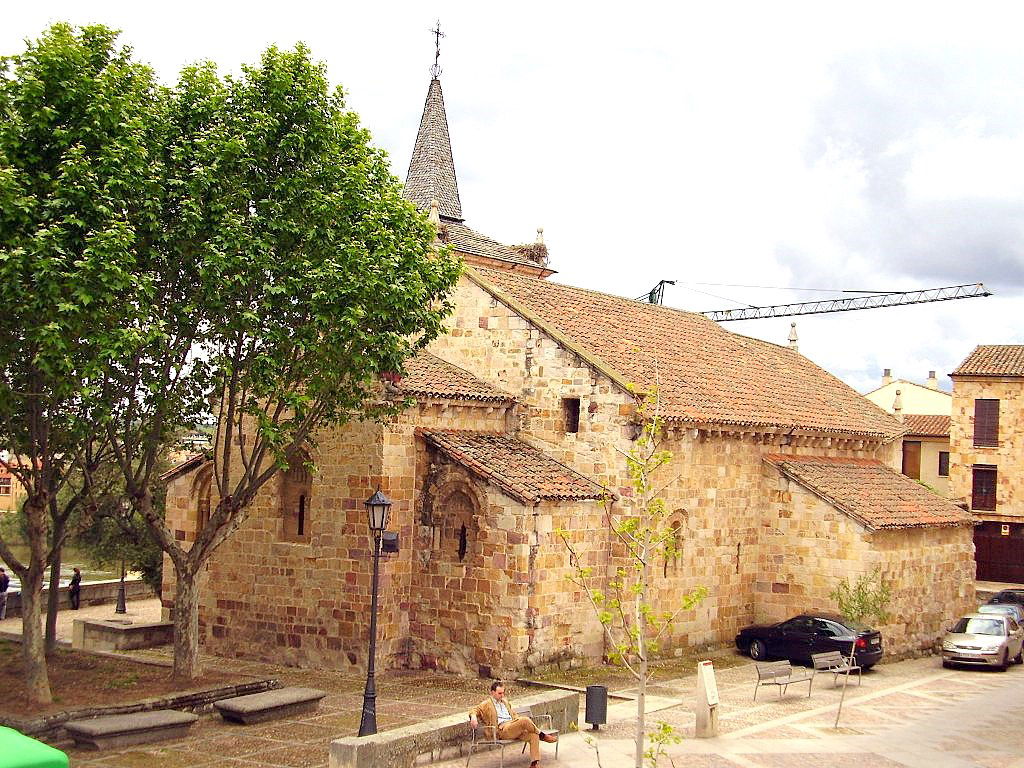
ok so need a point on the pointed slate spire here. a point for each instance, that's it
(432, 170)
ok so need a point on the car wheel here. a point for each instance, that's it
(866, 667)
(1004, 662)
(947, 664)
(1019, 658)
(757, 650)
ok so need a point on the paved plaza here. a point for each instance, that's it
(910, 713)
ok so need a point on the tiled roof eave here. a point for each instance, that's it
(767, 427)
(425, 395)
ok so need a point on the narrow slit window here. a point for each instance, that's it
(302, 515)
(943, 463)
(571, 412)
(462, 542)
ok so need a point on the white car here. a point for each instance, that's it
(984, 639)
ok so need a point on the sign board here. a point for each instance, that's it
(706, 676)
(1005, 530)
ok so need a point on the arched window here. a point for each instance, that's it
(296, 490)
(204, 484)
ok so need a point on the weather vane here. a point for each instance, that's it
(435, 71)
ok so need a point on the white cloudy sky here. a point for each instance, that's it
(794, 145)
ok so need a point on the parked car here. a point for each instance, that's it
(797, 638)
(1008, 596)
(984, 639)
(1006, 609)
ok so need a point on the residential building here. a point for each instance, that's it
(924, 410)
(987, 438)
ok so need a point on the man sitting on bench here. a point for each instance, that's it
(496, 712)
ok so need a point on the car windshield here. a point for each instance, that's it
(968, 626)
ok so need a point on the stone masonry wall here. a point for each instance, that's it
(1008, 456)
(809, 547)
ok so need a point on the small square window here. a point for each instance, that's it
(943, 463)
(571, 412)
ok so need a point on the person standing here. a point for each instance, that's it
(75, 589)
(496, 712)
(5, 582)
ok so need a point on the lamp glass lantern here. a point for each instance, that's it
(378, 508)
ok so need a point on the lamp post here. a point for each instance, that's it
(121, 606)
(377, 508)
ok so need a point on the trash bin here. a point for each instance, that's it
(597, 706)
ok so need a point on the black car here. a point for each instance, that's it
(797, 638)
(1008, 596)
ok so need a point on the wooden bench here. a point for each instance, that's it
(269, 705)
(782, 674)
(487, 736)
(137, 728)
(834, 662)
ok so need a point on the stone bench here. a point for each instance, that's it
(400, 747)
(137, 728)
(269, 705)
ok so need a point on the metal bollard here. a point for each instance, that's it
(597, 706)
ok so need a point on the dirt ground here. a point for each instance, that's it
(85, 680)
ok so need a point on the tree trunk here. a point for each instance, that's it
(53, 604)
(186, 624)
(33, 649)
(641, 702)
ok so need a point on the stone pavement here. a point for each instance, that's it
(910, 713)
(139, 611)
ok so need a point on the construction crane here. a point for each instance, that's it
(869, 301)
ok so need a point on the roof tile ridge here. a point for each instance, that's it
(643, 304)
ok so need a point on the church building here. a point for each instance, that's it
(782, 483)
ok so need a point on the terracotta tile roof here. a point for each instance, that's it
(431, 173)
(467, 240)
(189, 464)
(926, 426)
(870, 492)
(520, 470)
(993, 360)
(430, 376)
(708, 374)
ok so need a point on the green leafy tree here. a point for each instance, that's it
(73, 164)
(632, 625)
(285, 274)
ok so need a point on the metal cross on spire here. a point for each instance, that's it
(435, 71)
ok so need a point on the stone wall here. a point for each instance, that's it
(1008, 456)
(809, 547)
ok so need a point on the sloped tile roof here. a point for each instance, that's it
(926, 426)
(431, 173)
(520, 470)
(993, 360)
(870, 492)
(707, 374)
(189, 464)
(430, 376)
(467, 240)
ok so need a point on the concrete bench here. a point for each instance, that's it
(834, 662)
(269, 705)
(115, 731)
(782, 674)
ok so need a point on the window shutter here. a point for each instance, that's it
(986, 423)
(983, 491)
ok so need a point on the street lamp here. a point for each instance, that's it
(121, 606)
(377, 508)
